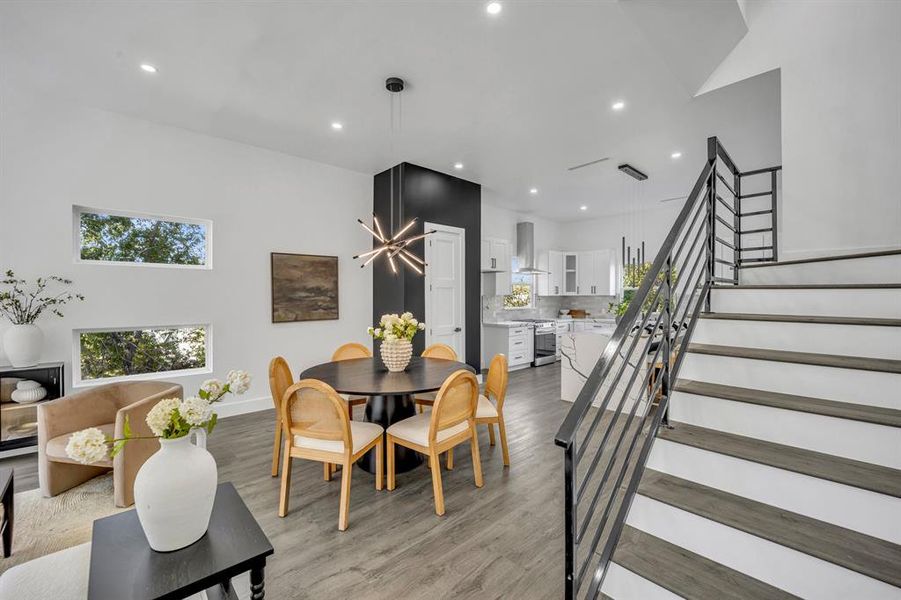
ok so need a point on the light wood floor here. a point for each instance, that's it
(504, 540)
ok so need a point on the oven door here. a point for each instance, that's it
(545, 347)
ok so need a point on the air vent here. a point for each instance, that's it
(588, 164)
(632, 172)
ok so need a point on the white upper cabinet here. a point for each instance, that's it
(496, 262)
(550, 283)
(588, 273)
(485, 256)
(570, 273)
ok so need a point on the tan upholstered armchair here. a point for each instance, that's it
(104, 407)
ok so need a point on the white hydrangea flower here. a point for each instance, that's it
(414, 322)
(378, 331)
(406, 316)
(238, 381)
(159, 417)
(421, 326)
(87, 446)
(196, 411)
(390, 337)
(213, 387)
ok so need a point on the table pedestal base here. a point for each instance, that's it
(387, 410)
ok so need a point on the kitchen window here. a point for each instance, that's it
(522, 288)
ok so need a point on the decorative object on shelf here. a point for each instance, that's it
(28, 391)
(397, 333)
(23, 306)
(7, 386)
(175, 488)
(24, 429)
(304, 287)
(393, 246)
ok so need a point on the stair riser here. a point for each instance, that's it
(875, 269)
(868, 442)
(866, 302)
(872, 388)
(782, 567)
(623, 584)
(872, 513)
(847, 340)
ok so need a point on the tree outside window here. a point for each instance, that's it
(523, 288)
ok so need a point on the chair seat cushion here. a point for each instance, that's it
(361, 432)
(416, 429)
(486, 408)
(56, 447)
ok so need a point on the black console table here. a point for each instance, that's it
(124, 567)
(19, 422)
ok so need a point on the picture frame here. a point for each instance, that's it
(304, 287)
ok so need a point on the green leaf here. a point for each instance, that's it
(211, 423)
(126, 428)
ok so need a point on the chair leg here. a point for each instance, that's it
(286, 481)
(345, 497)
(450, 459)
(389, 442)
(476, 460)
(277, 446)
(502, 430)
(491, 440)
(436, 483)
(379, 464)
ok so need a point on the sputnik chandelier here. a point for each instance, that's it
(392, 247)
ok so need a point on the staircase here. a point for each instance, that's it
(779, 472)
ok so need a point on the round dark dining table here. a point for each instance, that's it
(390, 395)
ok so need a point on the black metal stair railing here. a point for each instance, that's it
(607, 434)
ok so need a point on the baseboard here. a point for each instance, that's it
(19, 451)
(233, 408)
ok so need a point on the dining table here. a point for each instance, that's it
(390, 396)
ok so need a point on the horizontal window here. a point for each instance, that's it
(123, 238)
(130, 353)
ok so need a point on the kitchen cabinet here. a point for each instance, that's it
(497, 264)
(551, 282)
(516, 343)
(570, 274)
(588, 273)
(596, 274)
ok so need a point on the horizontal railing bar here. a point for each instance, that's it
(756, 260)
(761, 230)
(756, 212)
(724, 222)
(675, 257)
(759, 171)
(724, 280)
(723, 202)
(757, 195)
(567, 431)
(725, 183)
(751, 248)
(721, 261)
(725, 243)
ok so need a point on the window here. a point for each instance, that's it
(522, 288)
(104, 354)
(123, 238)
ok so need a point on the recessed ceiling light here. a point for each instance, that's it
(583, 207)
(493, 8)
(618, 105)
(148, 68)
(533, 191)
(337, 126)
(676, 155)
(458, 166)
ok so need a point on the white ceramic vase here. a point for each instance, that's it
(396, 354)
(174, 493)
(22, 344)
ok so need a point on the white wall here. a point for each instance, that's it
(840, 65)
(54, 155)
(498, 222)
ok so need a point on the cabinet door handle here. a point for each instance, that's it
(577, 289)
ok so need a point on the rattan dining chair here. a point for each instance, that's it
(316, 427)
(346, 352)
(434, 351)
(488, 413)
(280, 379)
(450, 422)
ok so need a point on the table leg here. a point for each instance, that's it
(387, 410)
(8, 517)
(257, 588)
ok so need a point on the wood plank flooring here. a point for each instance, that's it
(504, 540)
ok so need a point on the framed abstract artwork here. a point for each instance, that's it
(304, 287)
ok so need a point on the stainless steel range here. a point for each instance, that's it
(545, 341)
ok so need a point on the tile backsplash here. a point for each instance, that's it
(548, 307)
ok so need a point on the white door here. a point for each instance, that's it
(445, 311)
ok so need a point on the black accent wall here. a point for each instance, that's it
(406, 191)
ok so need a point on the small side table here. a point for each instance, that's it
(124, 567)
(6, 525)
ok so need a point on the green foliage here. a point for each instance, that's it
(23, 306)
(521, 296)
(140, 240)
(118, 353)
(633, 277)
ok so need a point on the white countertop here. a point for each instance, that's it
(509, 324)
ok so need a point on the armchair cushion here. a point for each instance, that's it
(56, 447)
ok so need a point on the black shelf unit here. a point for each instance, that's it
(51, 377)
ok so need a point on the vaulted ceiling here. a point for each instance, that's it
(517, 98)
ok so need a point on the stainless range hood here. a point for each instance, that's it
(525, 248)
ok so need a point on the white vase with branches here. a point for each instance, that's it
(23, 305)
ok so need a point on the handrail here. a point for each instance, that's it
(641, 360)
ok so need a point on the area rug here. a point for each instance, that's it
(46, 525)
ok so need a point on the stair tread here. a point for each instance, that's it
(801, 261)
(685, 573)
(810, 286)
(855, 473)
(819, 406)
(881, 322)
(862, 363)
(850, 549)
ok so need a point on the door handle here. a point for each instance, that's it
(458, 329)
